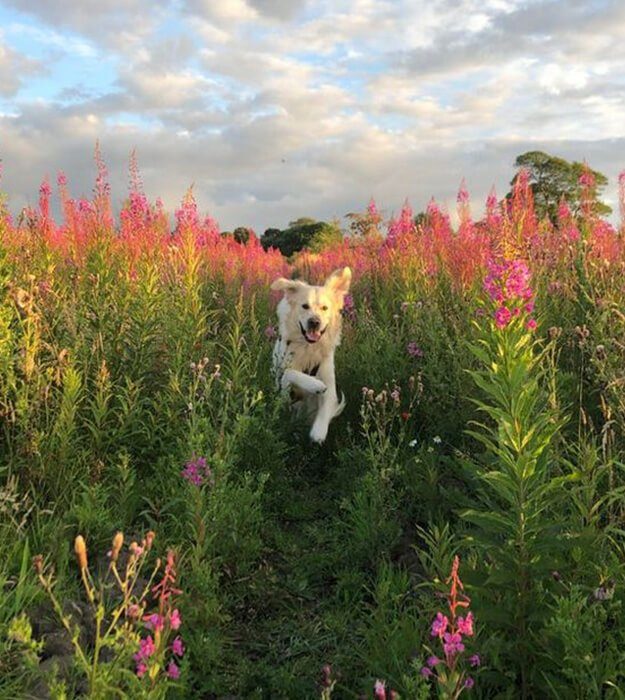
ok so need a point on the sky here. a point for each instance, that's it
(277, 109)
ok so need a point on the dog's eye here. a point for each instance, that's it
(306, 306)
(324, 308)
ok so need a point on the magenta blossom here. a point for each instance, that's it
(508, 285)
(502, 316)
(146, 649)
(439, 625)
(379, 690)
(469, 682)
(173, 671)
(348, 304)
(433, 661)
(178, 647)
(465, 625)
(414, 350)
(475, 660)
(197, 472)
(452, 643)
(175, 620)
(154, 622)
(426, 672)
(141, 669)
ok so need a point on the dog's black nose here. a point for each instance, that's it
(314, 323)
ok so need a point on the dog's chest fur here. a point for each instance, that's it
(298, 354)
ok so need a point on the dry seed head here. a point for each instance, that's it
(80, 548)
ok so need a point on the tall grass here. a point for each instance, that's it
(136, 395)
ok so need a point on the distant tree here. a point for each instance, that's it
(553, 179)
(301, 233)
(302, 221)
(420, 219)
(241, 234)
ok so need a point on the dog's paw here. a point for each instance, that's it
(318, 433)
(318, 387)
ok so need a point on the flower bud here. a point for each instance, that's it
(38, 563)
(80, 548)
(118, 541)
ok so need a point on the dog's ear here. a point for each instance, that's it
(339, 281)
(282, 284)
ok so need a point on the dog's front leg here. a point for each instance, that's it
(328, 403)
(305, 382)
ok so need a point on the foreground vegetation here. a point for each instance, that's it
(461, 531)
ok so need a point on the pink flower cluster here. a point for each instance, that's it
(451, 631)
(197, 472)
(402, 226)
(148, 647)
(156, 647)
(508, 285)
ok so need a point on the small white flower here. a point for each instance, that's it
(412, 443)
(430, 449)
(436, 440)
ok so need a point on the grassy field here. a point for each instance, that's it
(482, 445)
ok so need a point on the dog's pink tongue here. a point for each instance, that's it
(313, 336)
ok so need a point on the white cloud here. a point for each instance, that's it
(14, 68)
(281, 108)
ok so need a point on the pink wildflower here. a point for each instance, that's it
(270, 332)
(475, 660)
(141, 669)
(465, 625)
(426, 672)
(175, 620)
(439, 626)
(469, 682)
(379, 690)
(414, 350)
(146, 649)
(531, 324)
(197, 471)
(433, 661)
(154, 622)
(173, 671)
(502, 316)
(452, 643)
(133, 611)
(587, 179)
(178, 647)
(348, 306)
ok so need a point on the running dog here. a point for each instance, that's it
(303, 356)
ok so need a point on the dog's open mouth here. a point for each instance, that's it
(312, 336)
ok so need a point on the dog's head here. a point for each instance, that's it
(313, 309)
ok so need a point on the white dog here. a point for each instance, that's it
(303, 356)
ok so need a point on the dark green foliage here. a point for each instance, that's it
(302, 233)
